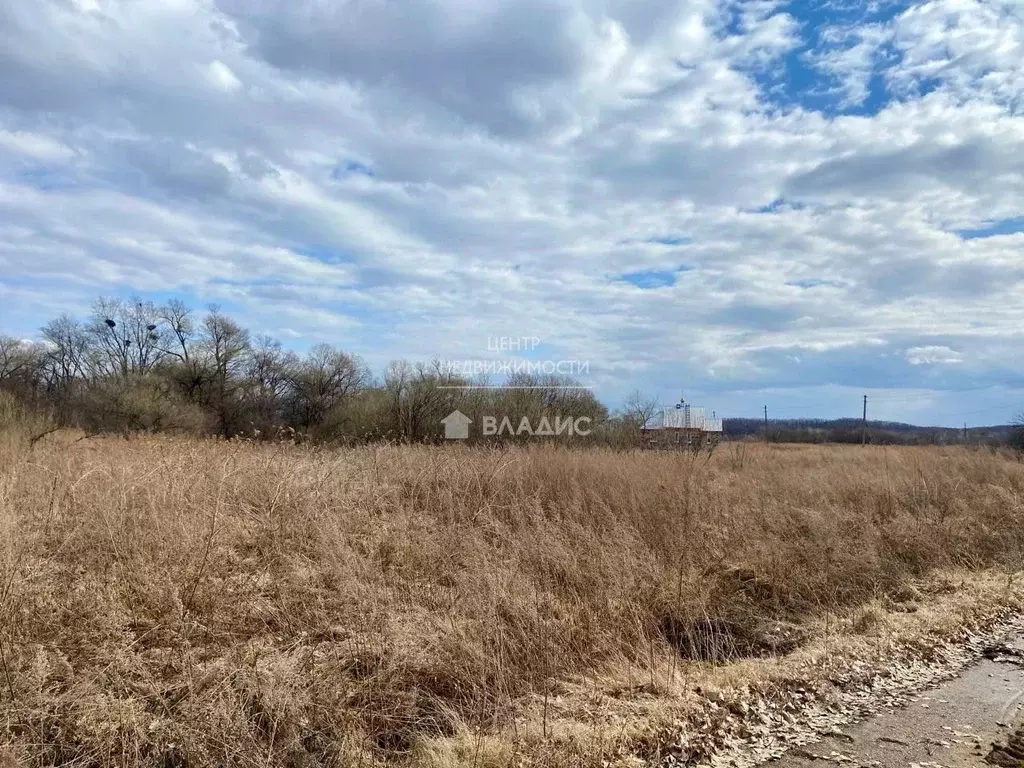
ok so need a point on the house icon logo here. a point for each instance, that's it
(456, 425)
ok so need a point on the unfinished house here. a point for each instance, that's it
(681, 426)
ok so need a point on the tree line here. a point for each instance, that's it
(136, 366)
(852, 430)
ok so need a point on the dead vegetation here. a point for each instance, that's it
(181, 602)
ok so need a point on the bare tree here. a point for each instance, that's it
(20, 366)
(224, 345)
(184, 366)
(127, 338)
(420, 396)
(267, 377)
(321, 382)
(534, 396)
(639, 408)
(180, 329)
(66, 349)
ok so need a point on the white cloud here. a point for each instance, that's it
(853, 60)
(34, 145)
(933, 356)
(973, 48)
(220, 76)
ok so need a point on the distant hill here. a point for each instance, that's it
(850, 431)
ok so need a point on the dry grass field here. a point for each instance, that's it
(180, 602)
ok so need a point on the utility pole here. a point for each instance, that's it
(864, 429)
(965, 431)
(766, 423)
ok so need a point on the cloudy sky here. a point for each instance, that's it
(749, 202)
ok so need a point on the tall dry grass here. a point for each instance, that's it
(173, 602)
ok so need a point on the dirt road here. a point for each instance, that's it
(953, 725)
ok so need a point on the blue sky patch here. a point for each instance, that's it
(1004, 227)
(351, 168)
(326, 254)
(815, 282)
(795, 80)
(670, 240)
(652, 278)
(778, 204)
(46, 179)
